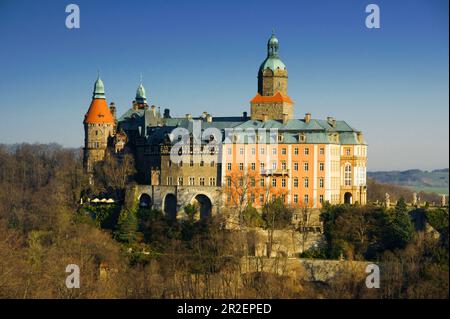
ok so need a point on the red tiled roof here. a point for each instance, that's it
(277, 97)
(98, 113)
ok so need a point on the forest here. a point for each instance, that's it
(132, 252)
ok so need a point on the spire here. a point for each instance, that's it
(99, 88)
(272, 45)
(140, 93)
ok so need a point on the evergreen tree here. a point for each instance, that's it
(127, 226)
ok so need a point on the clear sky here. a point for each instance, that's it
(391, 83)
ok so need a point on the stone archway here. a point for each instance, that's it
(170, 206)
(145, 201)
(205, 205)
(348, 198)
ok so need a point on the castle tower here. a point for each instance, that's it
(99, 126)
(272, 101)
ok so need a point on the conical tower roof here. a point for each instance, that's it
(98, 112)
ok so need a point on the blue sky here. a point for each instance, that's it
(391, 83)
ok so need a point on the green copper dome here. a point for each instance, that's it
(140, 95)
(272, 61)
(99, 89)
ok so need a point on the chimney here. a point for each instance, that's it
(112, 108)
(331, 121)
(285, 118)
(189, 116)
(208, 118)
(166, 113)
(307, 117)
(244, 115)
(265, 117)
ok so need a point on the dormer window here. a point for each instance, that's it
(302, 138)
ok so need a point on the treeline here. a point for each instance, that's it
(139, 253)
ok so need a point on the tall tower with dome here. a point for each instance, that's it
(272, 100)
(99, 127)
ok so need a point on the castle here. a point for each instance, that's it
(229, 161)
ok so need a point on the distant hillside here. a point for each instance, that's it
(435, 181)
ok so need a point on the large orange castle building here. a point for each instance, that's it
(229, 161)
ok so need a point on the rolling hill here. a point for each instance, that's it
(435, 181)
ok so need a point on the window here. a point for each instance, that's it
(306, 182)
(180, 181)
(283, 182)
(306, 199)
(283, 166)
(202, 163)
(180, 164)
(321, 182)
(306, 151)
(295, 198)
(295, 166)
(261, 199)
(321, 166)
(229, 181)
(241, 182)
(212, 164)
(229, 166)
(273, 197)
(212, 181)
(191, 181)
(261, 165)
(191, 163)
(280, 138)
(229, 151)
(274, 182)
(283, 198)
(169, 180)
(321, 199)
(241, 166)
(322, 151)
(306, 166)
(283, 151)
(274, 151)
(296, 151)
(347, 151)
(241, 151)
(253, 151)
(253, 166)
(261, 151)
(296, 182)
(274, 165)
(348, 175)
(261, 182)
(202, 181)
(252, 182)
(252, 197)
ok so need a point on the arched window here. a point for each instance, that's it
(348, 175)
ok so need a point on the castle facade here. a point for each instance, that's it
(232, 161)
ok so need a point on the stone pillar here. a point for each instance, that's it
(387, 200)
(414, 200)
